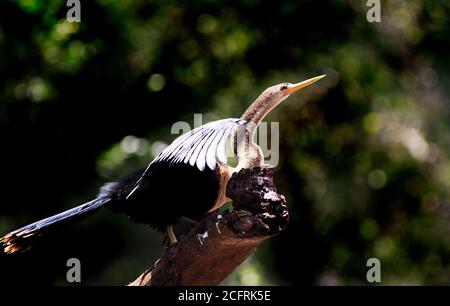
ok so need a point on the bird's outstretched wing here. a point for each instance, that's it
(202, 147)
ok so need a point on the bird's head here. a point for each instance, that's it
(272, 96)
(279, 92)
(248, 152)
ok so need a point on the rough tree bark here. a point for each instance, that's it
(221, 242)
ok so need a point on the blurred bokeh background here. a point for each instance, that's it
(364, 155)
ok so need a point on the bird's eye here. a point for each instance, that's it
(284, 87)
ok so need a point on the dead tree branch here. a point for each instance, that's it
(221, 242)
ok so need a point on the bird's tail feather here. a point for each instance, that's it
(20, 240)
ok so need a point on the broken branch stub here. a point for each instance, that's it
(209, 252)
(254, 191)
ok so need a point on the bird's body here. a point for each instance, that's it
(187, 179)
(165, 194)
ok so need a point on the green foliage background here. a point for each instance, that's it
(364, 155)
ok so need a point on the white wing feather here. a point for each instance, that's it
(201, 158)
(213, 149)
(202, 146)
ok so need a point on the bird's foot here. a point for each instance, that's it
(171, 235)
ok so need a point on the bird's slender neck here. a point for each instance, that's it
(249, 153)
(256, 112)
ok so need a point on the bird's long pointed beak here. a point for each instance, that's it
(303, 84)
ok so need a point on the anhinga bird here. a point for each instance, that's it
(187, 179)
